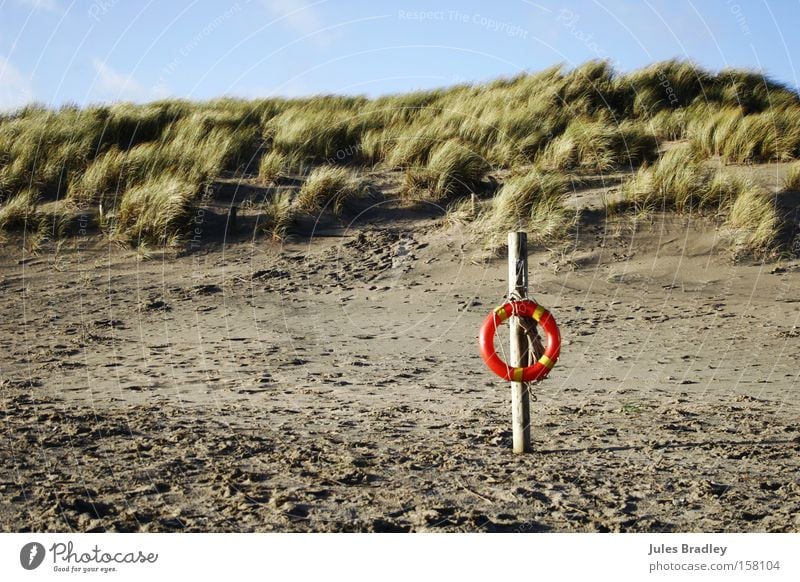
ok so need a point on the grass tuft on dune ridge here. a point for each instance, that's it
(754, 220)
(20, 212)
(533, 201)
(331, 187)
(453, 170)
(278, 214)
(156, 211)
(677, 181)
(792, 180)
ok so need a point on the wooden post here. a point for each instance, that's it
(518, 356)
(232, 227)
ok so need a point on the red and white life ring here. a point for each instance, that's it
(524, 308)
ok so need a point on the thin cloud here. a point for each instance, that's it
(15, 88)
(111, 84)
(304, 19)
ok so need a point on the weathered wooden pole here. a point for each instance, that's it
(518, 356)
(232, 227)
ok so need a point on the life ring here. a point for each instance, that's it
(524, 308)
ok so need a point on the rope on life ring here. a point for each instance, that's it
(522, 308)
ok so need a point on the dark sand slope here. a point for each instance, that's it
(337, 385)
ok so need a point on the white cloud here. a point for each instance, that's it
(15, 88)
(110, 81)
(47, 5)
(110, 84)
(302, 19)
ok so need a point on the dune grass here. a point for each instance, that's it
(754, 221)
(588, 119)
(331, 187)
(410, 148)
(277, 215)
(453, 170)
(533, 201)
(104, 176)
(597, 145)
(792, 180)
(20, 212)
(682, 182)
(271, 166)
(679, 180)
(156, 211)
(772, 135)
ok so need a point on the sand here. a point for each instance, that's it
(334, 384)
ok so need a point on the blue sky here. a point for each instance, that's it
(58, 51)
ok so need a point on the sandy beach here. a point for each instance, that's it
(333, 383)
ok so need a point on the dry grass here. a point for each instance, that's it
(20, 212)
(754, 220)
(410, 149)
(453, 170)
(599, 146)
(792, 180)
(277, 215)
(670, 124)
(772, 135)
(102, 177)
(533, 201)
(680, 181)
(156, 211)
(318, 133)
(271, 166)
(331, 187)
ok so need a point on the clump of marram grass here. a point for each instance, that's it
(599, 146)
(375, 146)
(585, 143)
(271, 166)
(711, 131)
(670, 124)
(20, 212)
(533, 201)
(772, 135)
(103, 176)
(507, 154)
(331, 187)
(679, 181)
(769, 136)
(277, 215)
(754, 220)
(792, 179)
(662, 85)
(521, 196)
(156, 211)
(453, 170)
(723, 190)
(411, 149)
(317, 133)
(15, 175)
